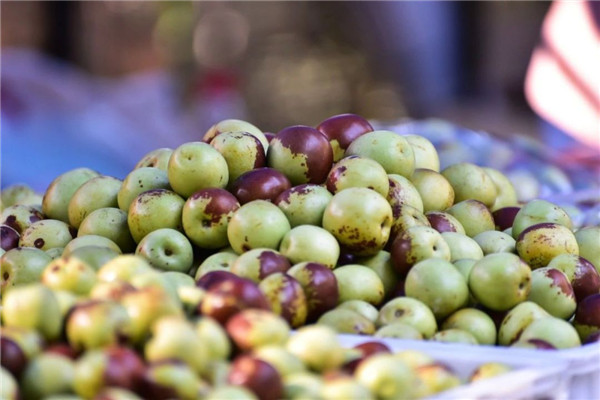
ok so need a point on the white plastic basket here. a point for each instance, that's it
(572, 374)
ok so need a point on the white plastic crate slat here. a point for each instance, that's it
(572, 374)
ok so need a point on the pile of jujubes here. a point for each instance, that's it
(225, 267)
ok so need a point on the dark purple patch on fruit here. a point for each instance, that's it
(289, 295)
(321, 290)
(221, 202)
(62, 349)
(261, 155)
(149, 194)
(334, 176)
(151, 389)
(13, 358)
(211, 278)
(586, 280)
(345, 258)
(400, 251)
(543, 225)
(9, 237)
(505, 217)
(560, 280)
(226, 298)
(260, 184)
(124, 368)
(540, 344)
(269, 136)
(367, 349)
(271, 262)
(39, 243)
(592, 338)
(35, 217)
(497, 316)
(398, 290)
(588, 311)
(311, 143)
(344, 128)
(440, 222)
(258, 376)
(301, 190)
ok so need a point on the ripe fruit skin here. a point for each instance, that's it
(257, 264)
(581, 273)
(259, 184)
(444, 222)
(343, 129)
(319, 285)
(416, 244)
(286, 298)
(206, 215)
(9, 237)
(360, 219)
(229, 296)
(402, 191)
(550, 288)
(587, 317)
(301, 153)
(258, 376)
(242, 151)
(252, 328)
(235, 125)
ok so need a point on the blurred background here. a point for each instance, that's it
(101, 83)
